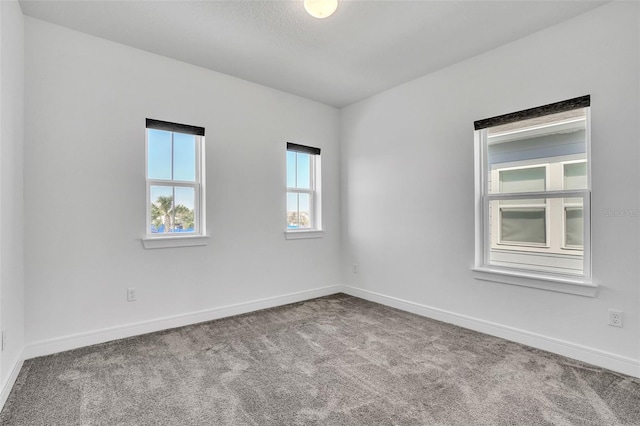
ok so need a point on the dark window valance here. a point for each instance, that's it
(568, 105)
(175, 127)
(302, 148)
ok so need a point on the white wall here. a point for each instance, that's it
(408, 183)
(11, 186)
(407, 215)
(86, 104)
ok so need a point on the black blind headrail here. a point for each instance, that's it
(302, 148)
(174, 127)
(568, 105)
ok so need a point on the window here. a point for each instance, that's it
(533, 194)
(174, 176)
(303, 191)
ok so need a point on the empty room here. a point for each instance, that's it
(319, 212)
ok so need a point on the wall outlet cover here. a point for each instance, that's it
(615, 318)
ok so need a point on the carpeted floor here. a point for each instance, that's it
(336, 360)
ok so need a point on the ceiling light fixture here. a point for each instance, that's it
(320, 8)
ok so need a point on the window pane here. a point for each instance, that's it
(161, 200)
(575, 176)
(523, 225)
(303, 171)
(298, 211)
(518, 237)
(184, 220)
(574, 227)
(292, 211)
(291, 169)
(304, 210)
(523, 180)
(184, 157)
(548, 140)
(159, 154)
(554, 135)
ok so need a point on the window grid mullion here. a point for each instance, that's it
(300, 191)
(173, 210)
(298, 209)
(154, 182)
(172, 155)
(577, 193)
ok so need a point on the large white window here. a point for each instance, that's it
(533, 194)
(175, 180)
(303, 190)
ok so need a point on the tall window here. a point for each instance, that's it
(533, 191)
(303, 184)
(175, 171)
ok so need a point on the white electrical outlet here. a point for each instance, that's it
(131, 294)
(355, 268)
(615, 318)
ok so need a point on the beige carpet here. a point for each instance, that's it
(336, 360)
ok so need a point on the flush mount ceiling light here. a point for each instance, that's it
(320, 8)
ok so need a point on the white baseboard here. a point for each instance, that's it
(11, 380)
(593, 356)
(65, 343)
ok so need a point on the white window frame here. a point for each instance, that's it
(178, 239)
(483, 270)
(314, 191)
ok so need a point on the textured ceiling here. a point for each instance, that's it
(364, 48)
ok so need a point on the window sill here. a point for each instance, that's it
(578, 285)
(299, 235)
(175, 241)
